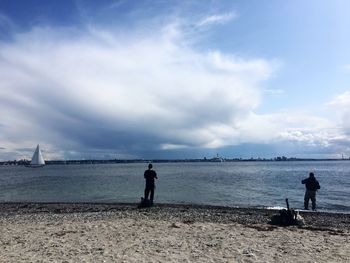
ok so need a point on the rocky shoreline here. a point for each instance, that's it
(86, 232)
(181, 213)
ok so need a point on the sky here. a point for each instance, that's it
(174, 79)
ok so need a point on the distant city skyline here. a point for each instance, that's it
(174, 79)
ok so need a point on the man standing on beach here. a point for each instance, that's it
(312, 186)
(150, 176)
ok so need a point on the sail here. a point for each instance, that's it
(37, 159)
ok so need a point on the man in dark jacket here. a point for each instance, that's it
(312, 186)
(150, 175)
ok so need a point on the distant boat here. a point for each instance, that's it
(37, 159)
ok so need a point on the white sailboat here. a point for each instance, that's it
(37, 159)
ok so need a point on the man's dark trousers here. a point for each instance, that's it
(149, 188)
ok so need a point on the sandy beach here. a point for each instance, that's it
(166, 233)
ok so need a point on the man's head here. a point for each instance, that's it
(150, 166)
(311, 175)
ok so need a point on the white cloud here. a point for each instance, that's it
(274, 92)
(217, 19)
(341, 107)
(168, 146)
(287, 126)
(124, 93)
(108, 90)
(342, 101)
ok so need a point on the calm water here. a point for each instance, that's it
(244, 184)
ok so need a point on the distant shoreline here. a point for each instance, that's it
(119, 161)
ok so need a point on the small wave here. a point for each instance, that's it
(275, 207)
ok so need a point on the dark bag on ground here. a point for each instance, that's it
(287, 217)
(145, 203)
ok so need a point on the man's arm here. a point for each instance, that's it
(304, 181)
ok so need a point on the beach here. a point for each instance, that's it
(68, 232)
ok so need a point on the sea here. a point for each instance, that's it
(233, 184)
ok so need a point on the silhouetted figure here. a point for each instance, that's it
(150, 176)
(312, 186)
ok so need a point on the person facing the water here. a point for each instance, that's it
(150, 176)
(312, 185)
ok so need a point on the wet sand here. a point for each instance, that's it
(166, 233)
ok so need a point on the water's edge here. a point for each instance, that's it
(81, 207)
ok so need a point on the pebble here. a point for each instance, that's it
(182, 213)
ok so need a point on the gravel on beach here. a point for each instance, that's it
(86, 232)
(182, 213)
